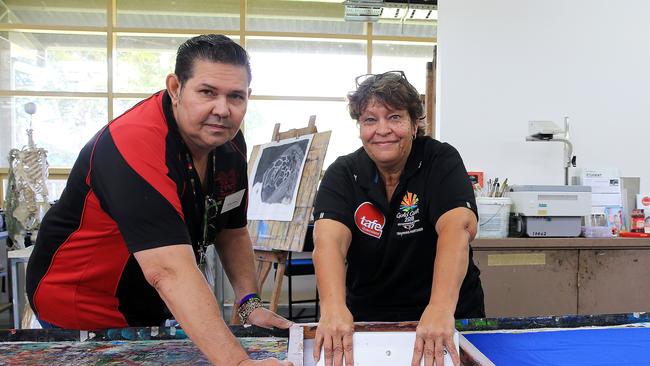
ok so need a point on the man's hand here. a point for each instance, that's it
(434, 334)
(266, 362)
(265, 318)
(334, 335)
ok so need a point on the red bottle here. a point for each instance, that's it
(637, 221)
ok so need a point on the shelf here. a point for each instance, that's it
(561, 243)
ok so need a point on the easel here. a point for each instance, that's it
(430, 96)
(273, 240)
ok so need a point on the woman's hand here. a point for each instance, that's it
(334, 335)
(434, 337)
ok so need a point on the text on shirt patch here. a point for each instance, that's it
(369, 220)
(233, 201)
(407, 217)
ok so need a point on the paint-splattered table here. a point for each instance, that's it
(128, 346)
(618, 339)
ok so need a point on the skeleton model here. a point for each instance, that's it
(26, 199)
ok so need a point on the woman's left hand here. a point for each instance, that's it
(265, 318)
(434, 337)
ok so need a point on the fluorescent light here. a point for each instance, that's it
(372, 10)
(411, 14)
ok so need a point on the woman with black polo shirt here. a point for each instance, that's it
(400, 213)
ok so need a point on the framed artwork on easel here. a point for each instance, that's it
(293, 158)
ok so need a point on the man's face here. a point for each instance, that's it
(210, 106)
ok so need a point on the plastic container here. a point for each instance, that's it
(597, 232)
(637, 221)
(493, 213)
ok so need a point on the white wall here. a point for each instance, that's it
(505, 62)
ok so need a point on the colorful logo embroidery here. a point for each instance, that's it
(409, 202)
(407, 219)
(369, 220)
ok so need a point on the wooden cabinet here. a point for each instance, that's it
(526, 283)
(614, 281)
(557, 276)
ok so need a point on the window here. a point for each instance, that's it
(123, 104)
(60, 125)
(86, 62)
(83, 13)
(300, 16)
(262, 116)
(54, 62)
(305, 67)
(179, 14)
(405, 56)
(143, 62)
(397, 27)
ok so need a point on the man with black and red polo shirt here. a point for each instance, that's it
(146, 196)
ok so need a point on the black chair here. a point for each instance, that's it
(4, 236)
(302, 267)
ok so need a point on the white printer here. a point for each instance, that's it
(548, 211)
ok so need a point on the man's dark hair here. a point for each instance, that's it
(392, 90)
(209, 47)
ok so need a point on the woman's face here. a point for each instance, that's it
(386, 134)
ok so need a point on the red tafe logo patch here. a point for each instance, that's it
(645, 201)
(369, 219)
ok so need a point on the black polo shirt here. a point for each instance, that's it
(391, 256)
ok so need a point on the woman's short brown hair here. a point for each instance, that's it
(392, 90)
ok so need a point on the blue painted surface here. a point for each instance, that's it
(608, 346)
(301, 262)
(263, 230)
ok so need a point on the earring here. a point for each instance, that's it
(413, 137)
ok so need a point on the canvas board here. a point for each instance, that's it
(275, 178)
(377, 349)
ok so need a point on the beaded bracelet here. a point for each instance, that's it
(248, 307)
(247, 297)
